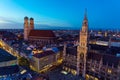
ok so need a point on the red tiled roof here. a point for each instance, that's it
(43, 54)
(42, 33)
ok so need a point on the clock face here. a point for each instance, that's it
(82, 55)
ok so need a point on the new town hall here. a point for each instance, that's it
(90, 60)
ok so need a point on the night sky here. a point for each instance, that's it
(60, 14)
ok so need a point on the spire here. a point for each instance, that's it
(85, 14)
(85, 22)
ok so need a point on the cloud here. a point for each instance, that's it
(44, 23)
(4, 20)
(6, 23)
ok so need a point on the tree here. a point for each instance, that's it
(22, 61)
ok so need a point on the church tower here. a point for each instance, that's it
(82, 48)
(31, 24)
(26, 28)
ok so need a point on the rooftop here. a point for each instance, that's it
(5, 56)
(106, 58)
(9, 70)
(42, 33)
(98, 47)
(43, 54)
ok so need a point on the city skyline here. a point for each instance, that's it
(57, 51)
(60, 14)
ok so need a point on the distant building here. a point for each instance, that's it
(41, 37)
(106, 41)
(8, 64)
(92, 61)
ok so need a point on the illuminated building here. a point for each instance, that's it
(92, 61)
(44, 60)
(83, 48)
(40, 37)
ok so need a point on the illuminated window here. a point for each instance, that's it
(109, 71)
(93, 69)
(96, 78)
(73, 72)
(87, 76)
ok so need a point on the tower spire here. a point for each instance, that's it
(85, 22)
(85, 14)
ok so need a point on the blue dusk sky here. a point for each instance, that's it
(60, 14)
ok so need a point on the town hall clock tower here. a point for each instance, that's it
(82, 48)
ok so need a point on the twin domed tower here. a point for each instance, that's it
(28, 26)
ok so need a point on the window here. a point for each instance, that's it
(109, 71)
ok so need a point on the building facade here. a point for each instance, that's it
(41, 62)
(93, 62)
(70, 60)
(39, 37)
